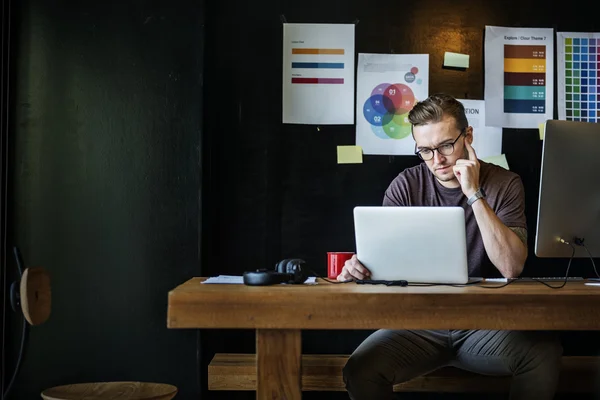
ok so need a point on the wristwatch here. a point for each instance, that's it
(480, 194)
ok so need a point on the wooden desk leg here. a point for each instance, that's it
(278, 364)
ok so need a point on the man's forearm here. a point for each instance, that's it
(504, 248)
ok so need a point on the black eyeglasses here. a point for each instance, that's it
(445, 149)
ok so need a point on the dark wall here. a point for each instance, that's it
(108, 166)
(276, 190)
(105, 178)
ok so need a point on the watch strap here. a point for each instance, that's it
(480, 194)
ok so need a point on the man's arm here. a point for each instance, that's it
(506, 247)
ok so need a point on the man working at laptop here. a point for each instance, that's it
(493, 200)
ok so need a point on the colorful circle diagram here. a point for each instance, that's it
(387, 108)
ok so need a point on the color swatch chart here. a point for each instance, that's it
(524, 79)
(579, 70)
(318, 61)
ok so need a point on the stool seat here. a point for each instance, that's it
(111, 391)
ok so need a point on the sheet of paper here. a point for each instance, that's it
(519, 76)
(578, 58)
(498, 160)
(542, 129)
(456, 60)
(349, 155)
(318, 74)
(487, 140)
(388, 86)
(239, 280)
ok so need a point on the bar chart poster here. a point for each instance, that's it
(519, 76)
(318, 74)
(578, 81)
(387, 88)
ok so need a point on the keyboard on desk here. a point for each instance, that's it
(538, 279)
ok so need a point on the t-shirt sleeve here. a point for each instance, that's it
(396, 194)
(511, 207)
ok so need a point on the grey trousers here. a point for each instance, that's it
(388, 357)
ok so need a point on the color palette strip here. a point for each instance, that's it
(318, 65)
(524, 79)
(582, 79)
(318, 51)
(525, 92)
(334, 81)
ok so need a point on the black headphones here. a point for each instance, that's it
(289, 270)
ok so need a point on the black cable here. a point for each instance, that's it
(327, 279)
(19, 358)
(581, 243)
(508, 282)
(19, 261)
(568, 267)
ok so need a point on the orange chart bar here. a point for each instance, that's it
(319, 51)
(524, 65)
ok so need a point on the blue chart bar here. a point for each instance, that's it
(317, 65)
(524, 106)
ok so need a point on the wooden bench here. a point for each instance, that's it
(324, 373)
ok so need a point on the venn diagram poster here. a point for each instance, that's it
(387, 88)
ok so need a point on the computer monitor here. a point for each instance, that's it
(569, 193)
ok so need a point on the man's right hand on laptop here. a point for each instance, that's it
(353, 270)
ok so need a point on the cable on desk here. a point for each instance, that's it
(580, 242)
(327, 279)
(539, 280)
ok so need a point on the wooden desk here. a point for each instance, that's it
(280, 312)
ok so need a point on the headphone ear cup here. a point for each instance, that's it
(282, 266)
(295, 267)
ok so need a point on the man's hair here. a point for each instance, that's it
(433, 109)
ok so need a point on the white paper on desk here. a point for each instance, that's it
(487, 140)
(239, 280)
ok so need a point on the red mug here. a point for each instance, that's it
(335, 262)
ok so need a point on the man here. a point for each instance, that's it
(493, 199)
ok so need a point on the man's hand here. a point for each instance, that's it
(467, 172)
(353, 270)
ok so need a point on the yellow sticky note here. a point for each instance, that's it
(498, 160)
(456, 60)
(349, 155)
(542, 127)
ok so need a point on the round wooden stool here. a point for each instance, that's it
(111, 391)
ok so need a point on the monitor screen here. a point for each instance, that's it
(569, 193)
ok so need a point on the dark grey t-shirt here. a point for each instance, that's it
(417, 186)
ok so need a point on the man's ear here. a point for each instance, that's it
(469, 134)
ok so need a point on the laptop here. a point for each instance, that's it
(413, 244)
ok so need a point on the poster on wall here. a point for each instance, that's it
(318, 74)
(487, 140)
(578, 77)
(387, 88)
(519, 76)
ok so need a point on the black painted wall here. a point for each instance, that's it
(125, 182)
(105, 183)
(277, 191)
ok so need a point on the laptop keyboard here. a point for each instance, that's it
(537, 279)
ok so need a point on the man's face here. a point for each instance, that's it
(437, 134)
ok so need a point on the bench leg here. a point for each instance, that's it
(278, 364)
